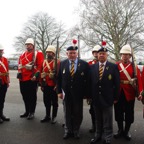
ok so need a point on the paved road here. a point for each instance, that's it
(22, 131)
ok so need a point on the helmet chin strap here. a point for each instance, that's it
(29, 49)
(49, 57)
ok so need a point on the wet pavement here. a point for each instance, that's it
(23, 131)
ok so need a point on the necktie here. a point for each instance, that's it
(101, 71)
(72, 69)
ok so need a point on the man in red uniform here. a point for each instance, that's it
(91, 110)
(4, 83)
(124, 109)
(48, 84)
(29, 68)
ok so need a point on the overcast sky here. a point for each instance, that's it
(14, 13)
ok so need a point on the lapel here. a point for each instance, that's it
(66, 68)
(96, 69)
(78, 67)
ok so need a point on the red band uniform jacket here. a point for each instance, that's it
(142, 76)
(92, 62)
(4, 70)
(49, 81)
(26, 58)
(129, 90)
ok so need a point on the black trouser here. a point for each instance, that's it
(73, 112)
(3, 90)
(28, 90)
(50, 99)
(92, 112)
(124, 110)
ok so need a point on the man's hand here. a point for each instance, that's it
(89, 101)
(33, 78)
(140, 97)
(115, 101)
(60, 95)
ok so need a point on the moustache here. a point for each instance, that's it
(49, 57)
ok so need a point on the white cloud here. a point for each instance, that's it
(14, 13)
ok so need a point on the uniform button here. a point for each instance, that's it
(71, 86)
(99, 86)
(99, 92)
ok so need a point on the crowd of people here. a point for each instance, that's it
(105, 85)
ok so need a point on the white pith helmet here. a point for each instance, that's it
(1, 47)
(29, 41)
(51, 48)
(126, 49)
(96, 48)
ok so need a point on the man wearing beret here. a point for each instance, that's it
(104, 91)
(72, 88)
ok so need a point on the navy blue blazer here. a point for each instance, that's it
(76, 86)
(104, 92)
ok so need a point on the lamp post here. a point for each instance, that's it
(78, 46)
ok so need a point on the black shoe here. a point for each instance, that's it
(106, 142)
(46, 119)
(76, 135)
(1, 121)
(30, 116)
(54, 120)
(127, 136)
(66, 136)
(24, 115)
(63, 125)
(119, 134)
(92, 130)
(4, 118)
(95, 140)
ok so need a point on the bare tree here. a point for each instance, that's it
(45, 31)
(117, 21)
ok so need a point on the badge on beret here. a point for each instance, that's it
(109, 76)
(82, 74)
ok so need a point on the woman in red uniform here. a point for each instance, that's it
(4, 83)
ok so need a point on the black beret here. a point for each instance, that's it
(72, 48)
(102, 49)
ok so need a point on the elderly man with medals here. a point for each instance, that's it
(72, 87)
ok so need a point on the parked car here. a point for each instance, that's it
(140, 66)
(13, 65)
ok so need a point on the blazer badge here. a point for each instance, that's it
(107, 68)
(109, 76)
(63, 71)
(82, 74)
